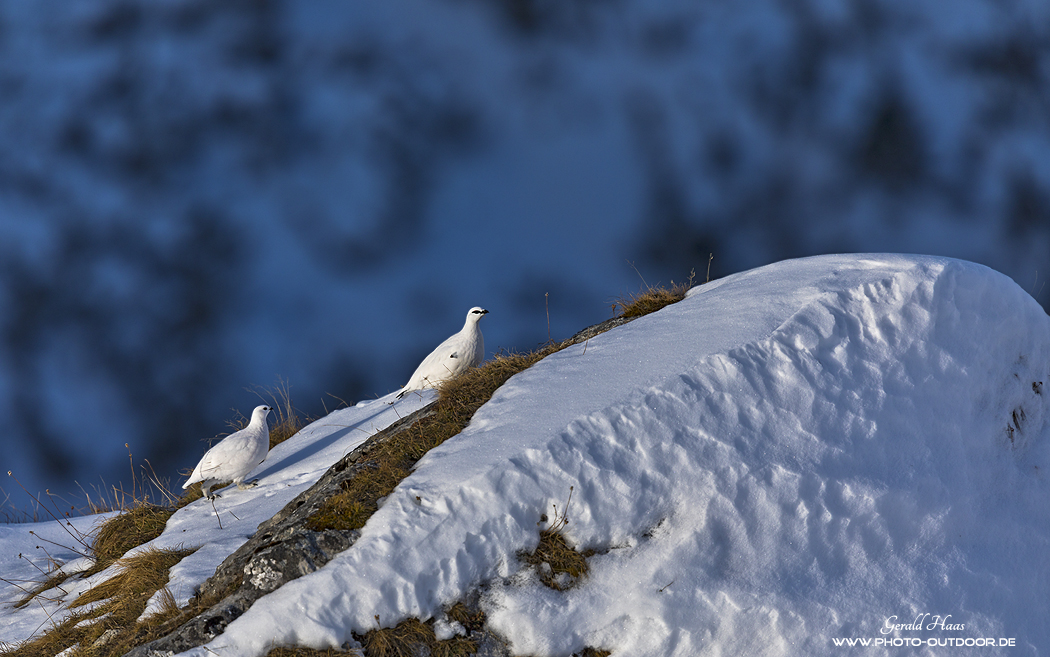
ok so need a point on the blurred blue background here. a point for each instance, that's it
(201, 198)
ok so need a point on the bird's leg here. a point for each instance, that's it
(245, 486)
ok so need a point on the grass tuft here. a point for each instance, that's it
(286, 427)
(472, 621)
(127, 530)
(559, 564)
(53, 580)
(409, 638)
(651, 299)
(145, 571)
(413, 637)
(404, 640)
(191, 495)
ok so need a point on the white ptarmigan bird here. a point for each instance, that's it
(454, 356)
(234, 456)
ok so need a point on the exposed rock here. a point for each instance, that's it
(106, 637)
(591, 331)
(281, 550)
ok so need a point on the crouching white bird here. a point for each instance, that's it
(452, 357)
(234, 456)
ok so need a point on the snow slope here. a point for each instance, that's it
(791, 456)
(27, 552)
(290, 468)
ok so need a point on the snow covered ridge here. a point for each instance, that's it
(789, 458)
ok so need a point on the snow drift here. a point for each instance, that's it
(801, 453)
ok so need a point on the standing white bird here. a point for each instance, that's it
(452, 357)
(234, 456)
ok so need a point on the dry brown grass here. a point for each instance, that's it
(651, 299)
(139, 521)
(61, 636)
(299, 651)
(288, 420)
(190, 495)
(52, 581)
(104, 622)
(392, 460)
(471, 620)
(408, 638)
(559, 564)
(404, 640)
(127, 530)
(412, 637)
(560, 557)
(145, 571)
(286, 427)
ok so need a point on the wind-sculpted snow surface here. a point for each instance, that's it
(790, 457)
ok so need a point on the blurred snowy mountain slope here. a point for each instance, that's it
(188, 190)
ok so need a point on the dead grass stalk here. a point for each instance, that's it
(104, 622)
(651, 299)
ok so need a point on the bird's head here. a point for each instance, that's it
(476, 313)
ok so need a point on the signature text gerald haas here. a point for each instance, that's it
(936, 622)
